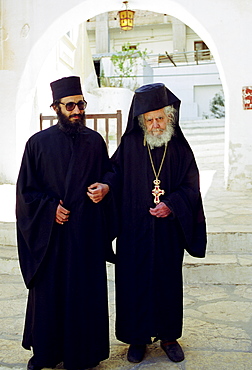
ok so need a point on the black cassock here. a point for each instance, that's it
(149, 253)
(64, 266)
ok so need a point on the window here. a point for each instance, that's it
(201, 51)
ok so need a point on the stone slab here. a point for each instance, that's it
(8, 233)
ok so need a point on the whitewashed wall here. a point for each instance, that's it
(30, 29)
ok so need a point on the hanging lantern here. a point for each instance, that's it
(126, 18)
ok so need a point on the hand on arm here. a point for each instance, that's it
(62, 214)
(161, 210)
(97, 191)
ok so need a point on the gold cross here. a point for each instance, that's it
(157, 192)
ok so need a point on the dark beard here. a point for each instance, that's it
(71, 127)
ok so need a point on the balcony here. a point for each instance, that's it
(182, 59)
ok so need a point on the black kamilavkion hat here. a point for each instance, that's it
(66, 86)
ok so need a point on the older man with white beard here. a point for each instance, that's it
(158, 126)
(160, 215)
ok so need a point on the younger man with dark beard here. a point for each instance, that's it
(63, 238)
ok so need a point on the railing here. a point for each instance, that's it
(42, 118)
(186, 58)
(175, 59)
(94, 118)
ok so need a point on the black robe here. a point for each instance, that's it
(64, 266)
(149, 253)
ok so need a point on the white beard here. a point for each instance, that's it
(159, 140)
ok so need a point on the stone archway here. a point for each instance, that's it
(44, 44)
(201, 17)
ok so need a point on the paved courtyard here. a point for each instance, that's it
(217, 289)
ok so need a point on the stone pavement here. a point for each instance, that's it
(217, 306)
(217, 289)
(217, 329)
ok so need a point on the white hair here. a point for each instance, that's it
(169, 111)
(160, 140)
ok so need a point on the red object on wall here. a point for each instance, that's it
(247, 97)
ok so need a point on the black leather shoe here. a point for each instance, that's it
(136, 352)
(173, 351)
(31, 366)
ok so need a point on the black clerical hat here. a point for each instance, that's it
(152, 97)
(66, 86)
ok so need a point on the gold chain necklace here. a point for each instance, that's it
(157, 192)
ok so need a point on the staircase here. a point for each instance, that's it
(228, 214)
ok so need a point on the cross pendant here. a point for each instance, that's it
(157, 191)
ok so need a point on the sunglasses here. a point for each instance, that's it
(71, 105)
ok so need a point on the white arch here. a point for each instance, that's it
(71, 15)
(211, 19)
(61, 20)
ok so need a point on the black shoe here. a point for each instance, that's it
(173, 351)
(31, 366)
(136, 352)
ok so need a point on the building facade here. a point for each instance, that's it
(175, 55)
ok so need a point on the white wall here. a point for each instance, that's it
(182, 82)
(201, 98)
(32, 28)
(154, 40)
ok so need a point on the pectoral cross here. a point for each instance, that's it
(157, 192)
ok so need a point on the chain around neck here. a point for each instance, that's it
(161, 164)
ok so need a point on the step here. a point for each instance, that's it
(213, 269)
(218, 269)
(9, 260)
(229, 242)
(8, 233)
(205, 134)
(217, 242)
(213, 124)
